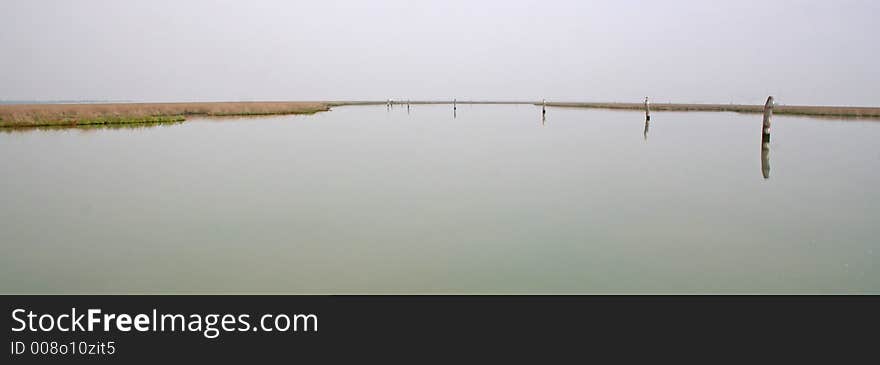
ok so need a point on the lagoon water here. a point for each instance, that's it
(365, 200)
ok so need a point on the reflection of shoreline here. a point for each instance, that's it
(87, 128)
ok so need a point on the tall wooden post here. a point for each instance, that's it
(647, 110)
(765, 137)
(768, 113)
(543, 112)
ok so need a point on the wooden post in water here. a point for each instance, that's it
(647, 118)
(543, 106)
(454, 108)
(768, 113)
(407, 106)
(765, 137)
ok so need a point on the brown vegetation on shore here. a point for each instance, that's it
(44, 115)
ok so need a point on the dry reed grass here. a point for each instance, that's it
(43, 115)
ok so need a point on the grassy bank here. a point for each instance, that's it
(72, 115)
(817, 111)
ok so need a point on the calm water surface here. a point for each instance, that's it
(365, 200)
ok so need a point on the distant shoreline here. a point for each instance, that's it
(75, 115)
(801, 110)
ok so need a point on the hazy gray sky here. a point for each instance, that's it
(804, 52)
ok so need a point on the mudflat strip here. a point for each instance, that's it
(817, 111)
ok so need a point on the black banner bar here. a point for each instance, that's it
(416, 328)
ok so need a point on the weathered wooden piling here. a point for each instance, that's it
(543, 106)
(765, 137)
(768, 113)
(647, 112)
(647, 125)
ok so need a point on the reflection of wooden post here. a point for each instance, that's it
(647, 110)
(768, 113)
(765, 158)
(543, 106)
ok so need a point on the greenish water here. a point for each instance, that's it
(365, 200)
